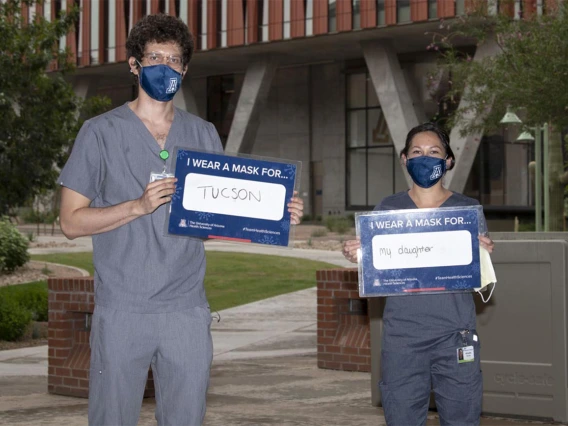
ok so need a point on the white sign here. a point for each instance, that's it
(234, 197)
(422, 250)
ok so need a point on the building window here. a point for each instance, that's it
(380, 12)
(356, 14)
(460, 7)
(222, 96)
(373, 168)
(403, 11)
(309, 7)
(332, 16)
(432, 9)
(263, 20)
(287, 18)
(500, 174)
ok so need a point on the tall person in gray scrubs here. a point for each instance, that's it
(422, 334)
(150, 303)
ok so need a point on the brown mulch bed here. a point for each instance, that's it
(37, 271)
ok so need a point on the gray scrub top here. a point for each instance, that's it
(425, 321)
(138, 267)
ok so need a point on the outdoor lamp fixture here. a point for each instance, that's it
(525, 137)
(540, 144)
(510, 117)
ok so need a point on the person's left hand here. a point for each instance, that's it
(296, 209)
(487, 243)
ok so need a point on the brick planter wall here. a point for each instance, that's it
(71, 304)
(342, 322)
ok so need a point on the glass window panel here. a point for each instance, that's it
(381, 12)
(517, 179)
(378, 132)
(400, 183)
(332, 16)
(372, 100)
(403, 10)
(357, 128)
(356, 14)
(357, 177)
(460, 7)
(472, 186)
(356, 90)
(380, 174)
(432, 9)
(492, 167)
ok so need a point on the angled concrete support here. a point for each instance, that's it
(85, 87)
(465, 147)
(185, 98)
(252, 98)
(401, 111)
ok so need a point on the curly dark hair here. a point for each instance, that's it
(159, 28)
(439, 131)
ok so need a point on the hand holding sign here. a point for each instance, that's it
(420, 250)
(236, 198)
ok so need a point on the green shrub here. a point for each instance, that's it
(35, 301)
(306, 218)
(14, 319)
(31, 296)
(13, 247)
(319, 232)
(338, 224)
(35, 216)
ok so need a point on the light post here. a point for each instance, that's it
(541, 180)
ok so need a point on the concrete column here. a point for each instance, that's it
(402, 112)
(465, 147)
(85, 87)
(185, 99)
(253, 96)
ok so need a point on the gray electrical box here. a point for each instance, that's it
(523, 329)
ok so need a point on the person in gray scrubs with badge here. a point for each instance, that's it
(429, 341)
(150, 303)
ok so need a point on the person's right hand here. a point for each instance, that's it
(157, 193)
(350, 248)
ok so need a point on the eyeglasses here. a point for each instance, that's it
(156, 58)
(413, 153)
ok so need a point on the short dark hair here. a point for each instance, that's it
(434, 128)
(160, 28)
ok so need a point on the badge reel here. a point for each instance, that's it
(154, 176)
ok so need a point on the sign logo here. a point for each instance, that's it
(173, 85)
(437, 173)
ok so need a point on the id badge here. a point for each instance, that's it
(465, 354)
(154, 176)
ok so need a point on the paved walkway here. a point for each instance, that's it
(264, 369)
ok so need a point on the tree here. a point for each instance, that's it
(39, 112)
(529, 73)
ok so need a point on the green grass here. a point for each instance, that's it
(79, 260)
(15, 290)
(232, 279)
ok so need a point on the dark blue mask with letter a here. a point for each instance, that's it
(426, 171)
(160, 82)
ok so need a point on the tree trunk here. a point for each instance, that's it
(555, 188)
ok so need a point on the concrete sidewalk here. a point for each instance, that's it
(264, 369)
(264, 373)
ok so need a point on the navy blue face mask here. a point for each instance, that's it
(426, 171)
(160, 82)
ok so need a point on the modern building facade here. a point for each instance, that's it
(336, 84)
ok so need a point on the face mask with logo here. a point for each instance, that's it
(426, 171)
(160, 82)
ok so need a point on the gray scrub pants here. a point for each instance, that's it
(407, 378)
(177, 345)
